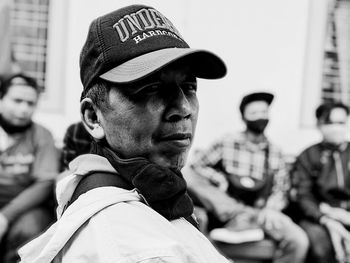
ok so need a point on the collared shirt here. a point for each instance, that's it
(235, 155)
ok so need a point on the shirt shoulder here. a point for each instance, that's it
(41, 132)
(230, 138)
(314, 149)
(42, 137)
(273, 147)
(133, 232)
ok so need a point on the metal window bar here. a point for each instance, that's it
(30, 20)
(336, 64)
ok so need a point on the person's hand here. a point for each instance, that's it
(336, 213)
(225, 209)
(3, 225)
(341, 215)
(220, 181)
(340, 237)
(335, 227)
(272, 222)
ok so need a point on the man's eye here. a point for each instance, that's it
(189, 86)
(151, 88)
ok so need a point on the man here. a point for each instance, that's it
(28, 165)
(322, 179)
(139, 104)
(242, 178)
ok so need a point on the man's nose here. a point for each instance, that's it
(24, 108)
(179, 107)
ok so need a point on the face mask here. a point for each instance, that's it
(12, 129)
(257, 126)
(333, 133)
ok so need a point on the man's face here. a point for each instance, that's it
(154, 118)
(256, 110)
(18, 104)
(334, 129)
(255, 116)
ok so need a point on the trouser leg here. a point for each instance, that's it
(293, 244)
(28, 226)
(321, 249)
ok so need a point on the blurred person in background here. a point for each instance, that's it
(28, 165)
(322, 177)
(243, 178)
(76, 141)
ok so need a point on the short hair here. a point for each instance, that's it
(323, 111)
(9, 81)
(98, 94)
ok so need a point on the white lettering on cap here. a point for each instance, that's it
(135, 23)
(146, 19)
(122, 30)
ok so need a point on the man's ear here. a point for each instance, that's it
(89, 115)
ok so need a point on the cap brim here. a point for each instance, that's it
(204, 64)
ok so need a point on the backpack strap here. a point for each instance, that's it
(100, 179)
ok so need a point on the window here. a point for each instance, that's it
(38, 30)
(336, 57)
(327, 56)
(29, 20)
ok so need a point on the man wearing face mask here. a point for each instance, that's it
(322, 179)
(243, 178)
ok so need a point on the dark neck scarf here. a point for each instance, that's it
(164, 189)
(13, 129)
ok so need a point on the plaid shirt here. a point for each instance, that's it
(76, 141)
(238, 156)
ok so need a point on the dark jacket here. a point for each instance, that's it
(321, 174)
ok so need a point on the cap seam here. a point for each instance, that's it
(101, 43)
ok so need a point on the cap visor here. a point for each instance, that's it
(204, 65)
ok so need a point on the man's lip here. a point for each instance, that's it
(176, 137)
(21, 119)
(177, 140)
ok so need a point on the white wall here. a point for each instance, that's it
(262, 42)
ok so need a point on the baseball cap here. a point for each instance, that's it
(256, 96)
(133, 42)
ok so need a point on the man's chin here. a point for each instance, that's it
(174, 162)
(20, 123)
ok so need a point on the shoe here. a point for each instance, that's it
(238, 230)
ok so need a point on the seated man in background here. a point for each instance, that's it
(76, 141)
(28, 165)
(244, 175)
(323, 187)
